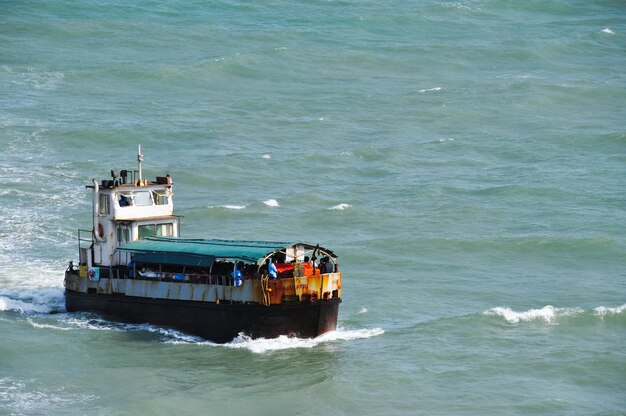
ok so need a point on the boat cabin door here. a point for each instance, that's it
(123, 236)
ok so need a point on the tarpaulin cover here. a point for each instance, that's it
(198, 252)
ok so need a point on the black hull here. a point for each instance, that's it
(216, 322)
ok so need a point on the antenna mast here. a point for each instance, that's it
(139, 160)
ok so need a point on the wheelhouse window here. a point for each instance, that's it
(105, 204)
(125, 199)
(158, 230)
(143, 198)
(139, 199)
(160, 197)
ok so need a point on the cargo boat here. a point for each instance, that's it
(134, 267)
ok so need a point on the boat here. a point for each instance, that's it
(135, 267)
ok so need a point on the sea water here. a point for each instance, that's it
(466, 161)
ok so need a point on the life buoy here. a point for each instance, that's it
(99, 235)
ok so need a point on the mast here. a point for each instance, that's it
(139, 160)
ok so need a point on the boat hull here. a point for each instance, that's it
(218, 322)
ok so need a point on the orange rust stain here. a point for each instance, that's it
(304, 286)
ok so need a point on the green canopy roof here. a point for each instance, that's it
(199, 252)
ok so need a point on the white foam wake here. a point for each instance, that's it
(69, 322)
(8, 304)
(100, 324)
(271, 203)
(607, 31)
(33, 274)
(283, 342)
(32, 301)
(89, 321)
(47, 326)
(92, 322)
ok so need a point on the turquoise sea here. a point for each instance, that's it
(466, 160)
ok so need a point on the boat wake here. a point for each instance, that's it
(283, 342)
(262, 345)
(45, 311)
(82, 321)
(93, 322)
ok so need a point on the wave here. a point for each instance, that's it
(33, 396)
(458, 5)
(547, 313)
(98, 324)
(270, 203)
(228, 206)
(8, 304)
(93, 322)
(341, 207)
(47, 326)
(32, 301)
(550, 314)
(604, 311)
(430, 89)
(33, 77)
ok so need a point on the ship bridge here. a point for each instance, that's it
(126, 208)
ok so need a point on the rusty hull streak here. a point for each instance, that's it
(286, 289)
